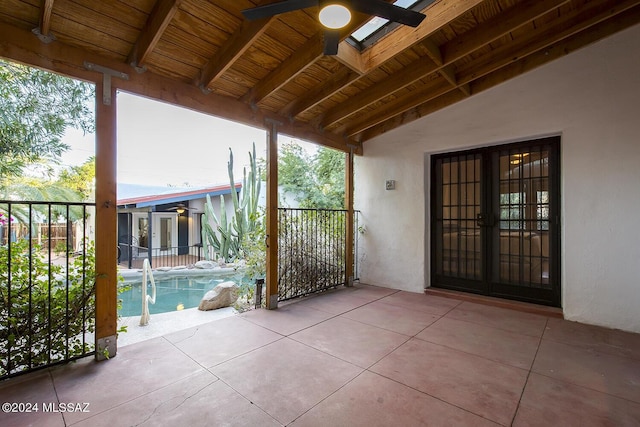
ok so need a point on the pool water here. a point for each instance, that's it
(172, 294)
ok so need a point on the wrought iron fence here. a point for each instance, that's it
(47, 284)
(311, 251)
(132, 256)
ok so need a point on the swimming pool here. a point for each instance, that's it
(173, 294)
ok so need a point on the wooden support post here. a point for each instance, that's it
(348, 202)
(106, 224)
(272, 217)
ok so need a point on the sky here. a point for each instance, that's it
(160, 144)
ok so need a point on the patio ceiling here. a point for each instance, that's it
(205, 56)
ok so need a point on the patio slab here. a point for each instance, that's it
(398, 359)
(284, 379)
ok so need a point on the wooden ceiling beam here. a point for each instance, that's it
(542, 37)
(45, 17)
(302, 58)
(231, 51)
(320, 93)
(20, 46)
(612, 17)
(399, 105)
(408, 75)
(160, 17)
(517, 16)
(439, 14)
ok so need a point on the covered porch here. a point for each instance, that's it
(358, 356)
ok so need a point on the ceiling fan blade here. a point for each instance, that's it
(389, 11)
(331, 40)
(272, 9)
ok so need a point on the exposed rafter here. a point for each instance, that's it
(43, 30)
(231, 51)
(160, 17)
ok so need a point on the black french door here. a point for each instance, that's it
(495, 221)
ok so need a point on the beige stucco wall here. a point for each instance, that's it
(592, 99)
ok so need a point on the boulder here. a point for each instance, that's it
(223, 295)
(206, 265)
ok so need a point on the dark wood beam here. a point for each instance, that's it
(320, 93)
(160, 17)
(231, 51)
(45, 17)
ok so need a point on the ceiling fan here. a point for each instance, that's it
(180, 208)
(335, 15)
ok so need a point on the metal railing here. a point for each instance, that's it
(132, 256)
(147, 275)
(311, 251)
(47, 289)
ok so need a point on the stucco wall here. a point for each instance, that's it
(592, 99)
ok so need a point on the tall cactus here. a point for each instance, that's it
(227, 237)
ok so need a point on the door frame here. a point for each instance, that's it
(487, 287)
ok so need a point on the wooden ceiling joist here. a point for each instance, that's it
(162, 14)
(44, 26)
(242, 40)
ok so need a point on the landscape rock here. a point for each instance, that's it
(206, 265)
(223, 295)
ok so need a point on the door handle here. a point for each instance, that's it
(484, 220)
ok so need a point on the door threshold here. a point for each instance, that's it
(526, 307)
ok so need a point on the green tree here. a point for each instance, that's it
(80, 178)
(35, 109)
(316, 181)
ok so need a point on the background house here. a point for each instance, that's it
(161, 221)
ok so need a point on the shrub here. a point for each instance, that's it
(48, 314)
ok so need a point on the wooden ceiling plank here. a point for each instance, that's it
(398, 106)
(231, 51)
(413, 72)
(288, 70)
(162, 14)
(303, 58)
(379, 90)
(320, 93)
(20, 45)
(498, 26)
(565, 43)
(438, 14)
(566, 26)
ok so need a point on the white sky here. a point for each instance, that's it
(160, 144)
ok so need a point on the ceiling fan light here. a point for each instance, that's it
(180, 211)
(334, 16)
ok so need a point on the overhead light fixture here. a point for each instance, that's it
(180, 211)
(334, 16)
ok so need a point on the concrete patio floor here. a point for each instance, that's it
(362, 356)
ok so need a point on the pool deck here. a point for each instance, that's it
(165, 323)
